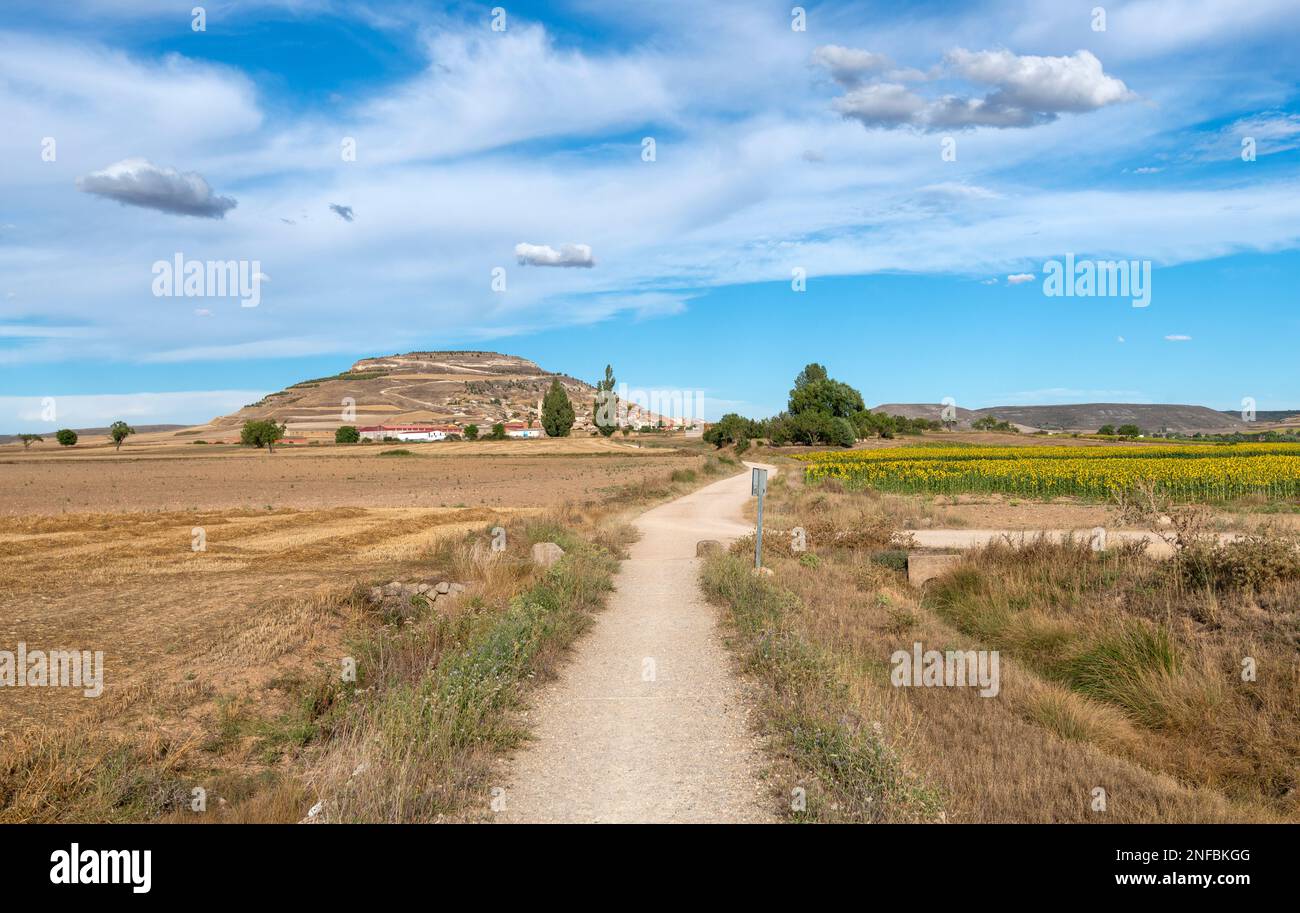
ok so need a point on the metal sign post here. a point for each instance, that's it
(758, 486)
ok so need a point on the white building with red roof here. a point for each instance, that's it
(416, 432)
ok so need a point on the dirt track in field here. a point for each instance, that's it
(648, 723)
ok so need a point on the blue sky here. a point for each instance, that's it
(776, 151)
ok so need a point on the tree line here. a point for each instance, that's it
(820, 410)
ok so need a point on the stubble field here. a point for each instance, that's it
(215, 582)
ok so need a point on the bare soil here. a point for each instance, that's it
(178, 477)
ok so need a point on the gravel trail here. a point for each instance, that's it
(647, 722)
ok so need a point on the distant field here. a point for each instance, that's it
(175, 477)
(1197, 472)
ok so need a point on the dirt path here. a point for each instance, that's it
(647, 722)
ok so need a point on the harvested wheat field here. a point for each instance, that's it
(203, 650)
(173, 620)
(220, 586)
(174, 477)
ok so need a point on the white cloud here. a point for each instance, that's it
(1273, 132)
(1020, 278)
(1026, 90)
(1143, 29)
(884, 104)
(958, 192)
(731, 198)
(848, 66)
(139, 182)
(1047, 85)
(545, 255)
(99, 104)
(1178, 337)
(38, 331)
(485, 89)
(24, 413)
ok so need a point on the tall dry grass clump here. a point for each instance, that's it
(1118, 671)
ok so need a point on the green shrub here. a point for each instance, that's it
(894, 559)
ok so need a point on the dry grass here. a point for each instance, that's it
(222, 667)
(440, 693)
(1109, 676)
(1126, 633)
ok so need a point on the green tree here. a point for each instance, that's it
(829, 396)
(346, 434)
(261, 433)
(1128, 431)
(822, 410)
(471, 432)
(604, 409)
(993, 423)
(841, 432)
(29, 439)
(498, 432)
(731, 429)
(868, 423)
(1106, 429)
(811, 372)
(119, 431)
(66, 436)
(820, 428)
(815, 391)
(557, 411)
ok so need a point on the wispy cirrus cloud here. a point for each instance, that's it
(94, 410)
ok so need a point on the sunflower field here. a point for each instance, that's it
(1214, 472)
